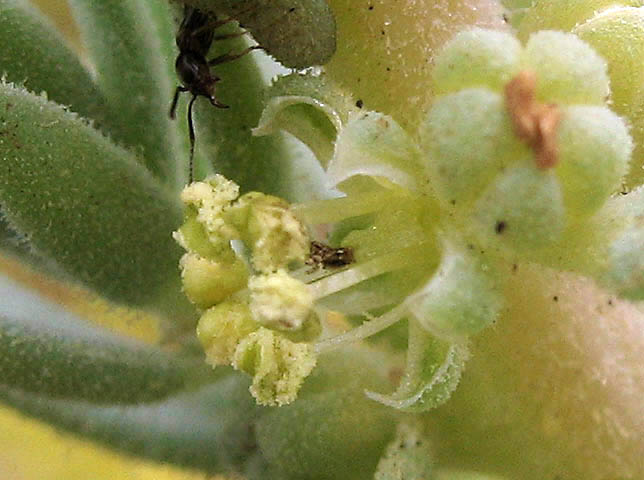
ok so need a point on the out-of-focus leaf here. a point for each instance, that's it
(297, 33)
(210, 429)
(35, 55)
(132, 46)
(86, 203)
(45, 350)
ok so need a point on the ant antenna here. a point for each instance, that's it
(191, 132)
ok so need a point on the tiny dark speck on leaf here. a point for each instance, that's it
(555, 298)
(359, 104)
(500, 226)
(370, 7)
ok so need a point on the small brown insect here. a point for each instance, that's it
(325, 256)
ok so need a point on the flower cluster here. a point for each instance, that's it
(254, 312)
(516, 157)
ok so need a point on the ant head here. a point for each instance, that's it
(194, 72)
(207, 89)
(214, 100)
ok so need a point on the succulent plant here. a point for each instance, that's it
(444, 285)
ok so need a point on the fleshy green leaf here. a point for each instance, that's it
(45, 350)
(432, 373)
(35, 55)
(210, 429)
(297, 33)
(86, 203)
(132, 46)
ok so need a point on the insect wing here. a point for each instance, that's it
(195, 34)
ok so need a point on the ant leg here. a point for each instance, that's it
(227, 57)
(191, 131)
(173, 107)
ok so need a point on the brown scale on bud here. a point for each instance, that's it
(535, 123)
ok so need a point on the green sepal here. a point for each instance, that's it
(460, 299)
(297, 33)
(209, 429)
(131, 44)
(107, 221)
(374, 145)
(35, 55)
(433, 370)
(308, 107)
(46, 350)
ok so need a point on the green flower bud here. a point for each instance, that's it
(278, 366)
(521, 210)
(568, 70)
(594, 152)
(193, 237)
(271, 231)
(221, 328)
(210, 199)
(208, 282)
(476, 58)
(468, 139)
(279, 301)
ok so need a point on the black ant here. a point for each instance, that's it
(194, 39)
